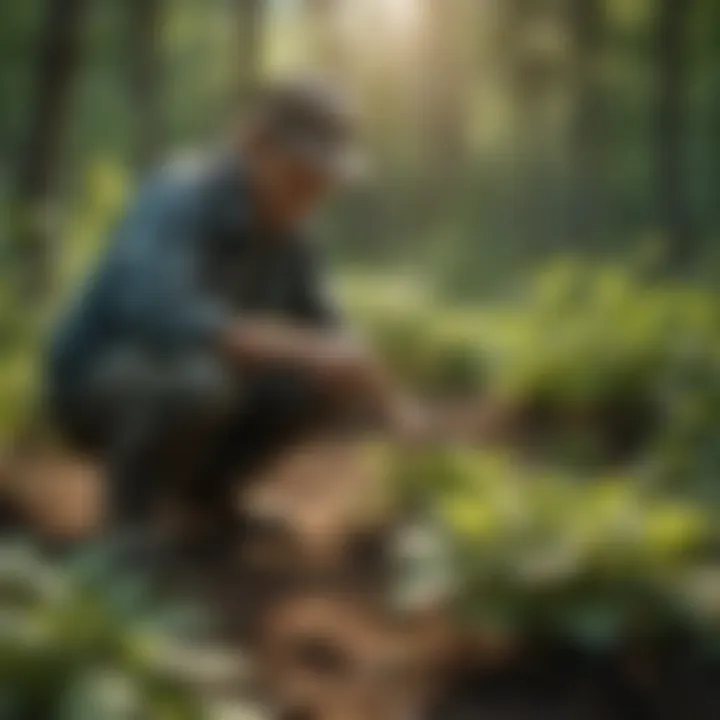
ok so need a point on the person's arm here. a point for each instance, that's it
(159, 298)
(331, 350)
(337, 363)
(333, 359)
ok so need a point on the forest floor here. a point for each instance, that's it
(306, 625)
(299, 598)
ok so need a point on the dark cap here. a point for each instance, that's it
(316, 120)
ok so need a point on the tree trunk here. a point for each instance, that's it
(523, 82)
(713, 121)
(443, 112)
(56, 67)
(586, 121)
(250, 23)
(145, 70)
(673, 211)
(327, 48)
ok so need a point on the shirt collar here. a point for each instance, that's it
(232, 202)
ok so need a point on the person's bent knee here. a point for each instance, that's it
(181, 389)
(201, 386)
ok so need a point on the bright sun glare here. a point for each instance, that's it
(389, 25)
(401, 13)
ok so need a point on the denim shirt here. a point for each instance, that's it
(186, 260)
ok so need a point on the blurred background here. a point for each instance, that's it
(536, 253)
(503, 134)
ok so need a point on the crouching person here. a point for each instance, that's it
(204, 343)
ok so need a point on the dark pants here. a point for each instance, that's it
(183, 430)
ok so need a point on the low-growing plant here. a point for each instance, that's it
(539, 552)
(84, 641)
(595, 362)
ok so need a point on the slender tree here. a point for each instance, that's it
(586, 121)
(524, 90)
(444, 87)
(713, 114)
(145, 71)
(327, 47)
(55, 69)
(250, 23)
(673, 211)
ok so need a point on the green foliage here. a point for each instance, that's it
(593, 360)
(586, 332)
(104, 189)
(24, 326)
(433, 348)
(582, 332)
(592, 521)
(81, 641)
(540, 552)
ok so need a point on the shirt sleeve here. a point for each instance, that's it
(158, 296)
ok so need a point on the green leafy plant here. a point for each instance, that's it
(538, 551)
(594, 362)
(85, 641)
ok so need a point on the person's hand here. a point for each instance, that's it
(339, 364)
